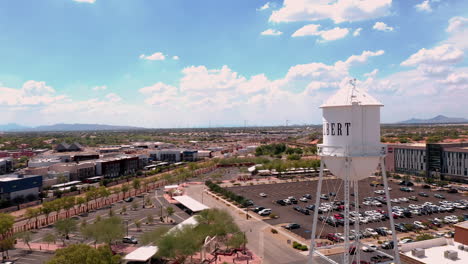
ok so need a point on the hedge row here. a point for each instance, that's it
(226, 193)
(299, 246)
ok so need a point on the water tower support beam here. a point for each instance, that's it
(315, 220)
(346, 210)
(396, 259)
(356, 222)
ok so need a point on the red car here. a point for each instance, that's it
(333, 237)
(338, 216)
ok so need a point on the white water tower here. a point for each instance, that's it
(352, 151)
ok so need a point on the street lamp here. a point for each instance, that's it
(126, 222)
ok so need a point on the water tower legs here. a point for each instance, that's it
(315, 219)
(396, 257)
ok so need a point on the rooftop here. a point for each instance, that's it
(13, 177)
(348, 95)
(142, 253)
(190, 203)
(435, 255)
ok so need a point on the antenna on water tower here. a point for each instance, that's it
(351, 157)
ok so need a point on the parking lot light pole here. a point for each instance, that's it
(126, 222)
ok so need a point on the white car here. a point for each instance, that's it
(418, 224)
(379, 192)
(263, 194)
(406, 241)
(363, 220)
(403, 199)
(413, 206)
(395, 200)
(265, 212)
(366, 203)
(303, 199)
(371, 231)
(369, 248)
(388, 231)
(376, 203)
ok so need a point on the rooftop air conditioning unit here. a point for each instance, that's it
(418, 252)
(451, 254)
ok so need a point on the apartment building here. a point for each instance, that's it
(445, 160)
(18, 185)
(6, 165)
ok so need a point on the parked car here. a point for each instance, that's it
(263, 194)
(387, 245)
(130, 240)
(292, 226)
(310, 207)
(324, 197)
(258, 209)
(265, 212)
(307, 196)
(423, 194)
(406, 241)
(281, 202)
(303, 199)
(128, 199)
(440, 196)
(369, 248)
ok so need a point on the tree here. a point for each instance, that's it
(104, 193)
(26, 236)
(80, 201)
(136, 184)
(124, 209)
(105, 231)
(84, 254)
(138, 225)
(125, 189)
(68, 203)
(179, 244)
(47, 209)
(49, 238)
(6, 223)
(169, 211)
(154, 236)
(64, 227)
(149, 219)
(134, 205)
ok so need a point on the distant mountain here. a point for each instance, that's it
(12, 127)
(67, 127)
(440, 119)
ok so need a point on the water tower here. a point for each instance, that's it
(352, 151)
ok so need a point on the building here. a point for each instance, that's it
(461, 233)
(6, 165)
(434, 251)
(18, 185)
(64, 147)
(174, 155)
(440, 160)
(117, 166)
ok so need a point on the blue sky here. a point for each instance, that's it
(181, 63)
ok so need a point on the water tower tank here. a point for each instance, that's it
(351, 131)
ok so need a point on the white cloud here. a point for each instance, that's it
(372, 74)
(175, 57)
(271, 32)
(30, 94)
(155, 56)
(424, 6)
(326, 35)
(264, 7)
(446, 54)
(381, 26)
(85, 1)
(458, 30)
(336, 10)
(99, 88)
(357, 32)
(457, 78)
(113, 97)
(363, 57)
(457, 23)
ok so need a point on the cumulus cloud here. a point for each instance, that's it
(326, 35)
(357, 32)
(31, 93)
(153, 57)
(458, 30)
(271, 32)
(264, 7)
(443, 54)
(175, 57)
(424, 6)
(381, 26)
(363, 57)
(337, 10)
(99, 88)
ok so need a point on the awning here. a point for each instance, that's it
(142, 253)
(190, 203)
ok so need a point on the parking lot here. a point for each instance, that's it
(139, 213)
(287, 214)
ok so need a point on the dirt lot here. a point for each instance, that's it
(298, 189)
